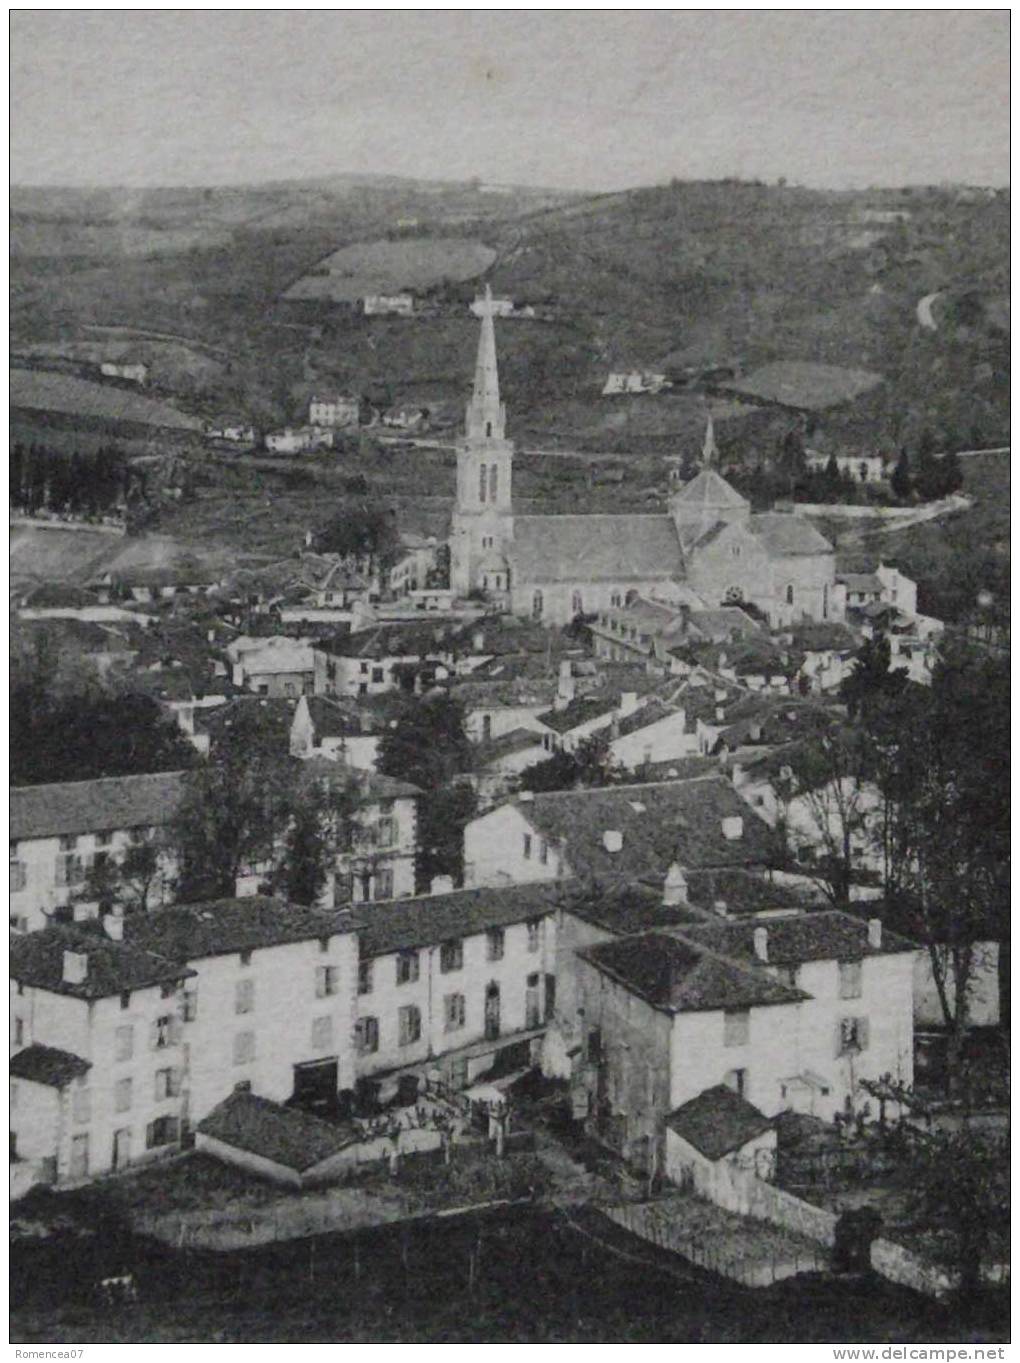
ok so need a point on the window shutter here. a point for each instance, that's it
(320, 982)
(839, 1038)
(863, 1033)
(153, 1035)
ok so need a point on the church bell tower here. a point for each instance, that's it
(482, 527)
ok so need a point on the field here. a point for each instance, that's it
(391, 266)
(801, 384)
(41, 390)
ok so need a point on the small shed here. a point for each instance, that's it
(716, 1139)
(280, 1143)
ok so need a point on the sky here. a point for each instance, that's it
(584, 100)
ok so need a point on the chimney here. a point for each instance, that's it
(566, 687)
(525, 797)
(76, 967)
(685, 618)
(210, 635)
(612, 840)
(478, 640)
(720, 693)
(628, 702)
(733, 828)
(761, 943)
(719, 907)
(720, 714)
(675, 888)
(874, 933)
(441, 885)
(737, 774)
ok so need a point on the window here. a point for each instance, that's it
(495, 941)
(69, 869)
(788, 975)
(327, 980)
(737, 1081)
(481, 482)
(387, 834)
(244, 1048)
(451, 956)
(246, 958)
(614, 600)
(344, 883)
(138, 835)
(378, 675)
(595, 1046)
(407, 967)
(364, 977)
(124, 1043)
(81, 1105)
(19, 877)
(366, 1035)
(79, 1156)
(532, 1002)
(850, 979)
(543, 852)
(163, 1131)
(534, 933)
(736, 1026)
(19, 1031)
(168, 1084)
(125, 1000)
(789, 594)
(536, 606)
(383, 882)
(408, 1025)
(576, 604)
(244, 996)
(364, 669)
(853, 1036)
(493, 481)
(453, 1012)
(163, 1032)
(68, 842)
(322, 1033)
(527, 847)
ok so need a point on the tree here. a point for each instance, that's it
(234, 812)
(901, 482)
(319, 826)
(429, 747)
(588, 765)
(870, 679)
(128, 884)
(927, 478)
(362, 529)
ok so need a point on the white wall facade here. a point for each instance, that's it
(501, 848)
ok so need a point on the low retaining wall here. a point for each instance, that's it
(901, 515)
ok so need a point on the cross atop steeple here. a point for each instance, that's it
(709, 450)
(486, 415)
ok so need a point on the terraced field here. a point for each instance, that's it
(45, 391)
(388, 266)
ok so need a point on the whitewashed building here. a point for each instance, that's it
(333, 409)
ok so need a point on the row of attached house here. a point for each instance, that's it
(127, 1034)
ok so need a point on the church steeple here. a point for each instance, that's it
(486, 415)
(709, 450)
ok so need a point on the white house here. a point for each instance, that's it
(657, 732)
(59, 831)
(634, 381)
(385, 657)
(334, 409)
(302, 440)
(449, 981)
(388, 305)
(791, 1014)
(615, 833)
(862, 468)
(97, 1052)
(132, 370)
(323, 727)
(236, 432)
(273, 666)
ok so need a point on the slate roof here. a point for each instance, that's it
(820, 935)
(221, 927)
(651, 713)
(411, 639)
(48, 1065)
(402, 924)
(787, 536)
(718, 1121)
(331, 719)
(678, 975)
(861, 582)
(598, 548)
(286, 1135)
(367, 787)
(626, 909)
(37, 959)
(743, 891)
(721, 622)
(108, 803)
(581, 710)
(660, 822)
(816, 636)
(516, 741)
(709, 490)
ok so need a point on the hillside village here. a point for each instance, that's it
(352, 847)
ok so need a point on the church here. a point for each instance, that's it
(708, 549)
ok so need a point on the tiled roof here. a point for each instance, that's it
(722, 621)
(285, 1135)
(367, 787)
(819, 935)
(597, 548)
(47, 1065)
(709, 490)
(659, 822)
(516, 741)
(816, 636)
(787, 536)
(429, 919)
(741, 891)
(678, 975)
(718, 1121)
(491, 692)
(651, 713)
(581, 710)
(221, 927)
(112, 802)
(626, 909)
(413, 639)
(679, 768)
(331, 719)
(861, 582)
(37, 959)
